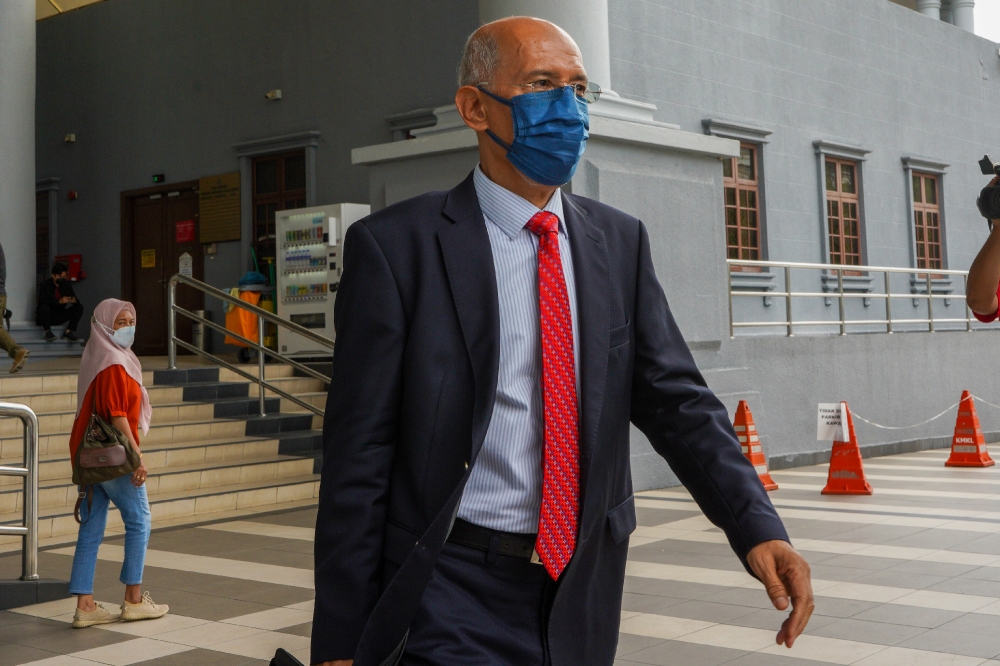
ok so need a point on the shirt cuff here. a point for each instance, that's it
(113, 413)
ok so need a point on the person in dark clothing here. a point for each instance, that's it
(57, 304)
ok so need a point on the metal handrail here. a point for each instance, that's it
(262, 316)
(889, 321)
(29, 548)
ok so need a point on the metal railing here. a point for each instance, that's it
(928, 292)
(29, 548)
(263, 316)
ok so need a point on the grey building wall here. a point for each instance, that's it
(154, 86)
(865, 72)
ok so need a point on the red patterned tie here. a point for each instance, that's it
(561, 459)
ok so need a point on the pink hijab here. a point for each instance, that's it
(102, 352)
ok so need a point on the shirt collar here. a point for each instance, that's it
(509, 211)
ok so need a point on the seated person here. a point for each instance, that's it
(57, 304)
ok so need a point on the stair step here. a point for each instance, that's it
(215, 391)
(60, 492)
(59, 521)
(184, 431)
(61, 401)
(239, 407)
(174, 454)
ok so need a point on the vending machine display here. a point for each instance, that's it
(310, 262)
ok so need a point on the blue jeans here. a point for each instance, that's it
(134, 508)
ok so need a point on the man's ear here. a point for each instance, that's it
(470, 106)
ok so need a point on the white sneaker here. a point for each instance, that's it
(99, 615)
(144, 610)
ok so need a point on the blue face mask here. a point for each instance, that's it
(550, 134)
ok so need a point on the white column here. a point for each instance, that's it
(930, 8)
(587, 23)
(963, 14)
(585, 20)
(17, 153)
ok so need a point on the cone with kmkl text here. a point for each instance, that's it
(847, 473)
(968, 446)
(746, 431)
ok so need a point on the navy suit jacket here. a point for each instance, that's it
(414, 381)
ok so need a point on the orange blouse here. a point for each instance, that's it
(112, 393)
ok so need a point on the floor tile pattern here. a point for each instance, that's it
(907, 577)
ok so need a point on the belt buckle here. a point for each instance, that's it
(535, 559)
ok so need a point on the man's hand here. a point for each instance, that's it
(64, 300)
(785, 574)
(339, 662)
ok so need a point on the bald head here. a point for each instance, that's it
(506, 48)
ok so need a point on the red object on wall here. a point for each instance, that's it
(72, 195)
(185, 231)
(74, 264)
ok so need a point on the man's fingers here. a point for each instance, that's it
(776, 590)
(802, 605)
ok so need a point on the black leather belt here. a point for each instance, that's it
(465, 533)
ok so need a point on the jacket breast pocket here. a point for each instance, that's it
(619, 336)
(621, 520)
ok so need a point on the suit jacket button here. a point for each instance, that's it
(466, 465)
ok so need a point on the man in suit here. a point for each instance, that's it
(493, 344)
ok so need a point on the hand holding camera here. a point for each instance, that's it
(989, 199)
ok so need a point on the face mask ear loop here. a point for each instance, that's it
(503, 144)
(506, 102)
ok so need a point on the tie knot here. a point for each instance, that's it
(543, 222)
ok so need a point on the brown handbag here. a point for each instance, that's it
(104, 454)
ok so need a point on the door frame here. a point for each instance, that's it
(127, 276)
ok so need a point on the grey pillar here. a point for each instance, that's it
(930, 8)
(585, 20)
(963, 14)
(17, 152)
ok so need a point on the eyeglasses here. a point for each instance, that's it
(590, 92)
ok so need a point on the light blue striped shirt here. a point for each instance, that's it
(504, 491)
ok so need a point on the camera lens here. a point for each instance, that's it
(989, 202)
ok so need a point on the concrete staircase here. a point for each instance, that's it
(207, 449)
(32, 337)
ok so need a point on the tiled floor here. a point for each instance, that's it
(909, 576)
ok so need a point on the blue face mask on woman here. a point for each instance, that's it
(550, 133)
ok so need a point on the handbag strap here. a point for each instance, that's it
(89, 494)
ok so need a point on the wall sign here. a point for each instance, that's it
(184, 231)
(185, 264)
(148, 258)
(219, 207)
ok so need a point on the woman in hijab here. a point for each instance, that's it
(110, 384)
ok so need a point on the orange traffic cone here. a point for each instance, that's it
(968, 446)
(746, 430)
(847, 474)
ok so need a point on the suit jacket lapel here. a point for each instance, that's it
(593, 297)
(468, 260)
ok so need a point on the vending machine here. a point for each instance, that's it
(310, 250)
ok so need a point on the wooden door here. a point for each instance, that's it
(152, 244)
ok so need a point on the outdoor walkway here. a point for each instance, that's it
(909, 576)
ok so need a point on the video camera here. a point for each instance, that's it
(989, 199)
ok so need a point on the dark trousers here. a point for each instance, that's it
(481, 609)
(48, 316)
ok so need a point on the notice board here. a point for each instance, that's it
(219, 207)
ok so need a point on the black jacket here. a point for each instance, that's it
(49, 292)
(414, 381)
